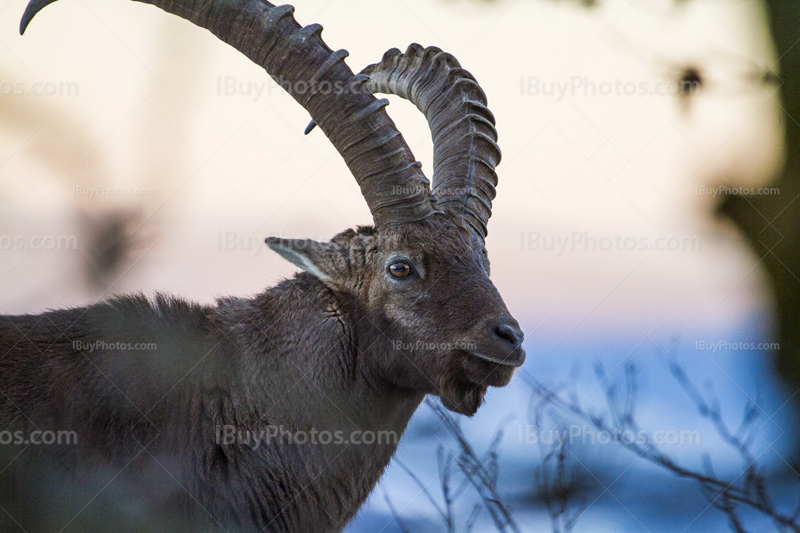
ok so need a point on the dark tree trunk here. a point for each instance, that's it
(772, 222)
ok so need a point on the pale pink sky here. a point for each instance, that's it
(154, 111)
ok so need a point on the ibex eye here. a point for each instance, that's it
(400, 270)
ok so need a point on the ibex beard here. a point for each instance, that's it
(380, 316)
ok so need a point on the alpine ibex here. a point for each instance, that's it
(380, 317)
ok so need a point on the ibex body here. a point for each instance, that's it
(231, 405)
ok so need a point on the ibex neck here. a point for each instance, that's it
(312, 401)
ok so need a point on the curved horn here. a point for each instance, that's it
(465, 151)
(320, 81)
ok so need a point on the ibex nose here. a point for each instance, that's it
(508, 329)
(505, 338)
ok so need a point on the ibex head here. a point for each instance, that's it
(422, 273)
(426, 300)
(420, 276)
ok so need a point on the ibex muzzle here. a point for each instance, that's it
(379, 317)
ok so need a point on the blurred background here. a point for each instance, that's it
(139, 153)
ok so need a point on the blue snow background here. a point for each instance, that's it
(626, 493)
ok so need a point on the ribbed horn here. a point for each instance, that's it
(465, 151)
(317, 77)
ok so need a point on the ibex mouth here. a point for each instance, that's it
(514, 359)
(471, 373)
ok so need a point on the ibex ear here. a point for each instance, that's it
(317, 258)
